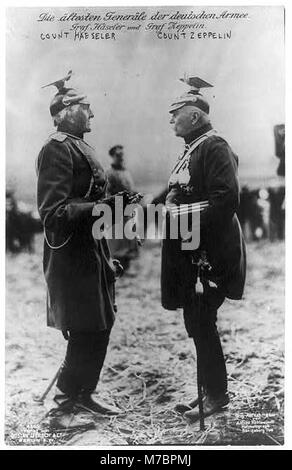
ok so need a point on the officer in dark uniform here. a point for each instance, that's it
(78, 269)
(206, 171)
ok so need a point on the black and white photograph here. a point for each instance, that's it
(145, 226)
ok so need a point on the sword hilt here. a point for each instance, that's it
(199, 288)
(202, 264)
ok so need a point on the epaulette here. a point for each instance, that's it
(59, 136)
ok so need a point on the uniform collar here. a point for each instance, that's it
(197, 133)
(77, 138)
(59, 129)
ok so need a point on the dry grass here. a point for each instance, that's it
(151, 362)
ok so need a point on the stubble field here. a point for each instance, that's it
(151, 363)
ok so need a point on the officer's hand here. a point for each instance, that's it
(65, 333)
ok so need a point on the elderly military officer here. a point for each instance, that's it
(78, 269)
(207, 171)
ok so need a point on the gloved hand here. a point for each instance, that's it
(132, 197)
(129, 197)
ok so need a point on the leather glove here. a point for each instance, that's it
(129, 197)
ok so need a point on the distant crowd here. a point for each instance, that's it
(22, 222)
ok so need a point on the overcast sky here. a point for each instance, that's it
(132, 81)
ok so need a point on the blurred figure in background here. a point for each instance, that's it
(279, 135)
(11, 222)
(277, 212)
(22, 223)
(250, 214)
(120, 179)
(277, 193)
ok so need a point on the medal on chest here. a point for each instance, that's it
(180, 175)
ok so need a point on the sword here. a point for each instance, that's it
(42, 398)
(200, 264)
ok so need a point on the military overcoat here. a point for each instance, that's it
(77, 268)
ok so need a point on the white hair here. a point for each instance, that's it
(59, 117)
(64, 114)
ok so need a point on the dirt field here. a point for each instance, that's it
(151, 362)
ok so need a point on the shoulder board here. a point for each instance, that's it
(218, 136)
(59, 136)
